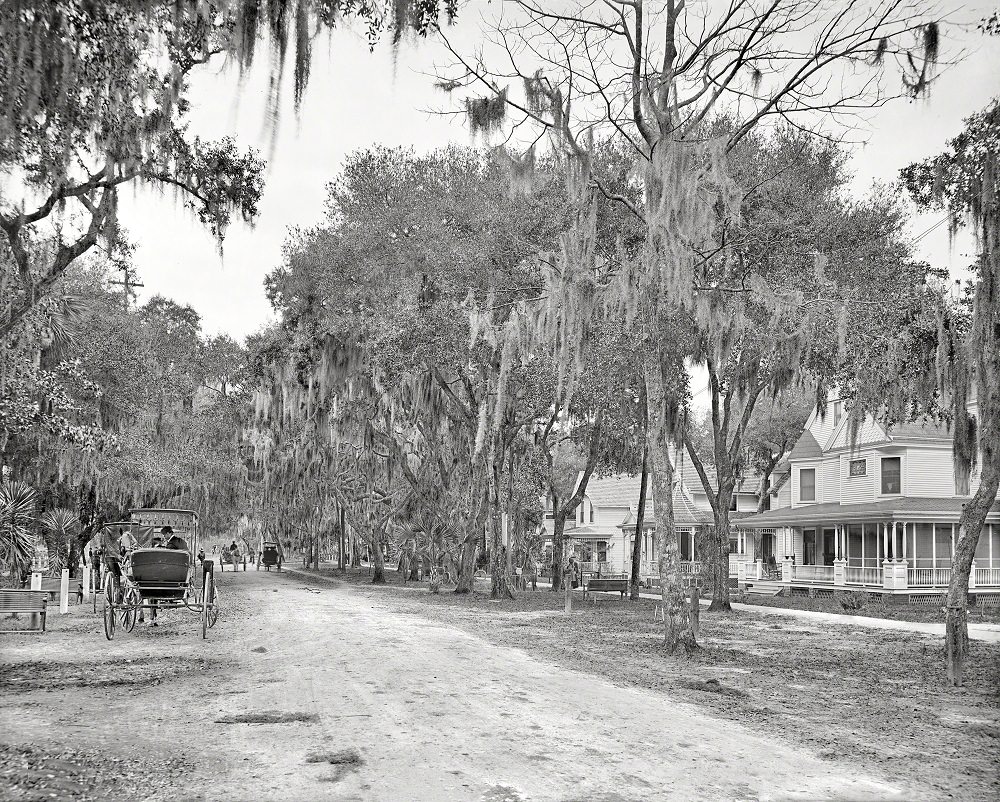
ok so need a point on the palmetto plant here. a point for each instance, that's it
(63, 524)
(17, 514)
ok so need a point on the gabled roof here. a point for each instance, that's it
(686, 512)
(806, 447)
(620, 490)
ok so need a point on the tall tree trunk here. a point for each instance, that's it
(678, 632)
(377, 559)
(720, 545)
(640, 520)
(467, 563)
(985, 349)
(501, 586)
(340, 537)
(558, 543)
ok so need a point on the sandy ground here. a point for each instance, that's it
(392, 706)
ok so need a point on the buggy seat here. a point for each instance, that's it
(160, 573)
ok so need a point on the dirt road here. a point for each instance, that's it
(376, 705)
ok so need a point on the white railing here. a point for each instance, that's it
(812, 573)
(690, 567)
(863, 576)
(987, 577)
(594, 567)
(929, 577)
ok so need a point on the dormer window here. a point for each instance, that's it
(591, 513)
(807, 484)
(838, 412)
(892, 476)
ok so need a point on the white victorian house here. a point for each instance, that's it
(603, 530)
(878, 512)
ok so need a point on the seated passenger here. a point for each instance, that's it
(172, 541)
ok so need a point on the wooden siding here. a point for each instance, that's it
(857, 489)
(928, 472)
(821, 429)
(830, 490)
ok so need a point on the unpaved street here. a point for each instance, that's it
(383, 705)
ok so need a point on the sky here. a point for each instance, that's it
(356, 99)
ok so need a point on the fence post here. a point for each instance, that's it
(64, 592)
(86, 583)
(36, 581)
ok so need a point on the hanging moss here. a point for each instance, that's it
(486, 114)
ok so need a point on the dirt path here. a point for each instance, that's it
(392, 707)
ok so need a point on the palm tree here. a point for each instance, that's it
(63, 524)
(17, 515)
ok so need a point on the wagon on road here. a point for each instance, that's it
(270, 556)
(160, 577)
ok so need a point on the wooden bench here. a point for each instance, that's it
(23, 601)
(604, 585)
(986, 602)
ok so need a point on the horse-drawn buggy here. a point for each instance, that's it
(270, 555)
(156, 570)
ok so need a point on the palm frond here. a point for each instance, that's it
(17, 514)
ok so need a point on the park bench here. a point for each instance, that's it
(23, 601)
(605, 585)
(986, 602)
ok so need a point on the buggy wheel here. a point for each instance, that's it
(110, 594)
(213, 610)
(130, 611)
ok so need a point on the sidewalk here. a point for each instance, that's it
(988, 633)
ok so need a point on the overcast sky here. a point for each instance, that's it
(356, 99)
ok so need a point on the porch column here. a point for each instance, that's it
(885, 542)
(904, 541)
(786, 570)
(839, 562)
(972, 575)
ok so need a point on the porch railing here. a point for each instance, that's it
(812, 573)
(987, 577)
(690, 567)
(594, 567)
(863, 576)
(651, 568)
(929, 577)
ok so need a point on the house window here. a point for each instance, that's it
(591, 513)
(859, 467)
(838, 412)
(732, 504)
(807, 484)
(891, 475)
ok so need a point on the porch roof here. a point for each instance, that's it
(906, 508)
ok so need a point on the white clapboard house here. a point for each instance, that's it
(877, 511)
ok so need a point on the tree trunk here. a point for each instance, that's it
(378, 561)
(678, 633)
(340, 538)
(640, 519)
(467, 564)
(720, 546)
(501, 585)
(984, 353)
(558, 544)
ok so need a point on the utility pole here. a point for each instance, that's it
(128, 283)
